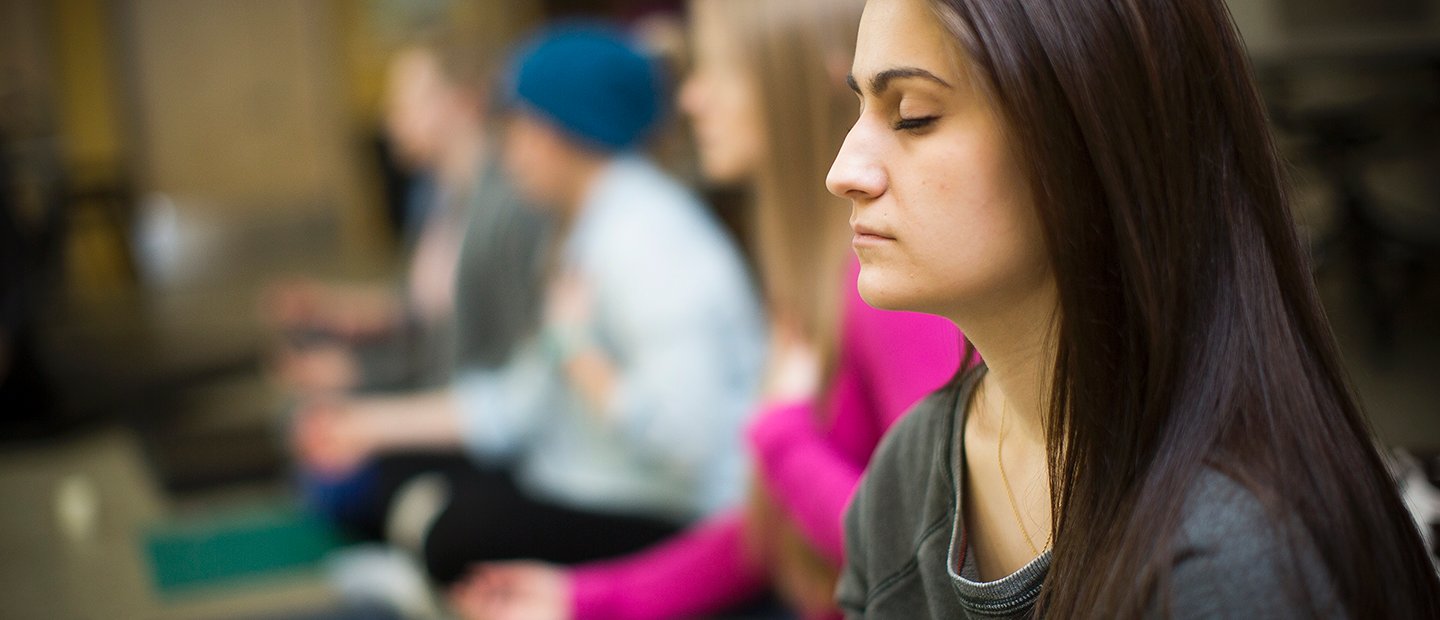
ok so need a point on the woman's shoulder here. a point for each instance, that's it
(911, 464)
(1225, 520)
(1236, 556)
(1218, 508)
(906, 501)
(926, 427)
(925, 433)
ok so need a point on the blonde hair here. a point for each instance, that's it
(796, 53)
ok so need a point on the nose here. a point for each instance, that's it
(856, 173)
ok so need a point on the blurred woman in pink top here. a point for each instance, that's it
(770, 108)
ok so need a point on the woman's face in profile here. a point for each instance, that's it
(942, 213)
(721, 101)
(415, 107)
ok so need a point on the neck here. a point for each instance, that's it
(585, 172)
(464, 153)
(1017, 341)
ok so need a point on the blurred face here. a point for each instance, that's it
(722, 101)
(415, 101)
(943, 218)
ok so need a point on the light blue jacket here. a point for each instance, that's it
(674, 309)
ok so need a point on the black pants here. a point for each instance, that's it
(489, 518)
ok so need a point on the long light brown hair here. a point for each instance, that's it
(796, 54)
(1191, 335)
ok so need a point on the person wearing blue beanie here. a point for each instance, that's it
(628, 410)
(591, 84)
(577, 97)
(619, 421)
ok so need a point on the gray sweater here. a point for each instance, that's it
(907, 556)
(498, 281)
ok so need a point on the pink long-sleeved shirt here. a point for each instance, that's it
(887, 362)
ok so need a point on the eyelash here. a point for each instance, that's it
(914, 124)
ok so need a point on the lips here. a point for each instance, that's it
(864, 230)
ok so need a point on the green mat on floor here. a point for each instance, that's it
(215, 549)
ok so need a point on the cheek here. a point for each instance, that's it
(963, 228)
(729, 136)
(746, 130)
(935, 224)
(949, 213)
(983, 239)
(408, 130)
(426, 120)
(749, 131)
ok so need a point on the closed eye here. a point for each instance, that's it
(912, 124)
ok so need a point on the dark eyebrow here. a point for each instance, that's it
(881, 81)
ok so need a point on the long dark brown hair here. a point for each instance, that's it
(1190, 332)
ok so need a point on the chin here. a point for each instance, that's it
(880, 289)
(722, 175)
(722, 169)
(897, 289)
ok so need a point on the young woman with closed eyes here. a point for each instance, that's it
(1162, 427)
(769, 105)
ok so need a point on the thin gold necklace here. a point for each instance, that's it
(1014, 505)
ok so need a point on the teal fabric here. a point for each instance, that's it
(214, 550)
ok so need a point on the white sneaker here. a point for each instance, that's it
(414, 509)
(382, 574)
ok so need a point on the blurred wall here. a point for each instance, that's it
(86, 88)
(266, 107)
(239, 102)
(374, 29)
(1284, 27)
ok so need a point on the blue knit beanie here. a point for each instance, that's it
(590, 83)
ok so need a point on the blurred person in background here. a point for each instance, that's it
(474, 283)
(770, 108)
(472, 246)
(621, 420)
